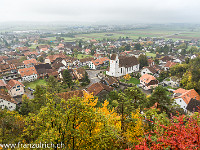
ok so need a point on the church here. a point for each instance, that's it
(120, 66)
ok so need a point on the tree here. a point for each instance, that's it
(138, 46)
(181, 132)
(11, 126)
(127, 77)
(41, 59)
(160, 97)
(22, 58)
(26, 106)
(75, 122)
(67, 78)
(143, 60)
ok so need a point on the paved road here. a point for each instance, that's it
(92, 76)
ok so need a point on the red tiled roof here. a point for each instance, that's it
(30, 53)
(54, 57)
(12, 83)
(187, 95)
(100, 61)
(31, 61)
(2, 83)
(70, 94)
(96, 88)
(170, 64)
(27, 71)
(147, 78)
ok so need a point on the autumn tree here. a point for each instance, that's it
(11, 126)
(182, 132)
(127, 77)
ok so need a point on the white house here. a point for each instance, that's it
(7, 102)
(96, 64)
(28, 74)
(122, 65)
(182, 97)
(148, 81)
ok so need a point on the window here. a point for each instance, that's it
(18, 86)
(121, 70)
(116, 61)
(180, 100)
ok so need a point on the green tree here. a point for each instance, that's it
(138, 46)
(143, 60)
(67, 78)
(26, 106)
(160, 96)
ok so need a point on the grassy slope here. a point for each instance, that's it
(37, 82)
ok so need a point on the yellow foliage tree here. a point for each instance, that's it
(135, 129)
(127, 77)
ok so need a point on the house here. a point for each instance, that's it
(87, 51)
(153, 70)
(23, 49)
(71, 94)
(168, 65)
(99, 89)
(50, 59)
(28, 74)
(97, 56)
(58, 66)
(148, 81)
(165, 59)
(122, 65)
(2, 84)
(31, 55)
(79, 73)
(15, 88)
(5, 68)
(7, 102)
(151, 62)
(30, 63)
(43, 48)
(172, 81)
(43, 70)
(110, 81)
(98, 63)
(85, 61)
(193, 105)
(182, 97)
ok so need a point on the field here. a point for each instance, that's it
(151, 54)
(34, 83)
(175, 34)
(132, 80)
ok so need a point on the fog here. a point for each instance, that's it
(99, 11)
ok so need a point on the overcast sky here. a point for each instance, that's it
(99, 11)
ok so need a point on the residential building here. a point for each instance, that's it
(99, 89)
(7, 102)
(28, 74)
(15, 88)
(30, 63)
(182, 97)
(148, 81)
(98, 63)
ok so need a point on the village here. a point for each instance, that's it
(95, 66)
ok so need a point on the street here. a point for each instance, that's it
(92, 76)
